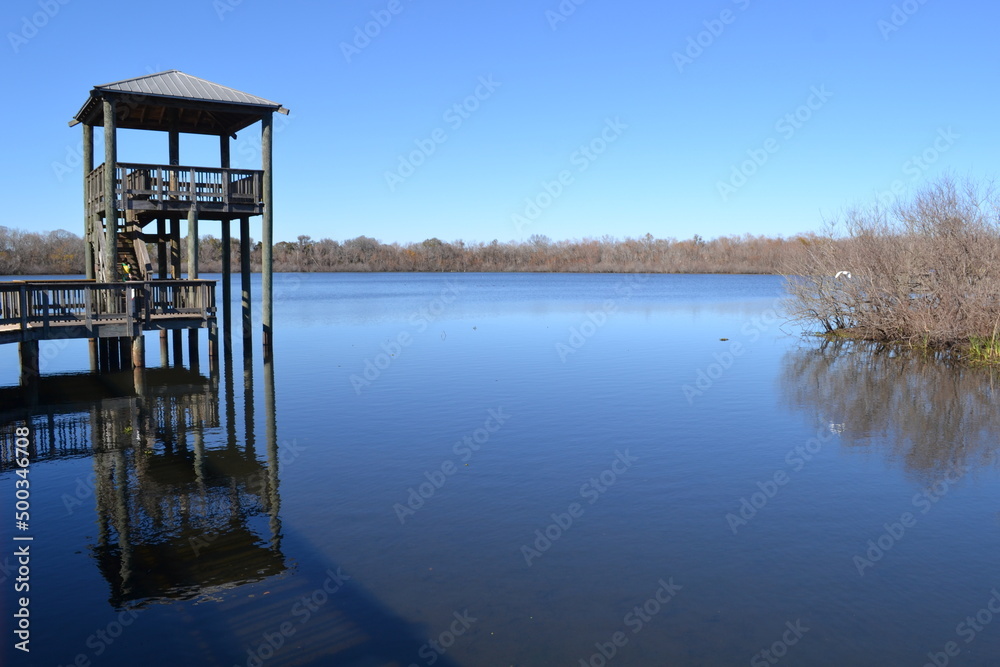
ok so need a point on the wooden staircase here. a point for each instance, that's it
(130, 248)
(126, 253)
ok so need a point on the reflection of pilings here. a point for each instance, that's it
(230, 391)
(121, 520)
(270, 418)
(139, 381)
(30, 377)
(104, 487)
(144, 426)
(50, 422)
(248, 417)
(54, 434)
(199, 450)
(28, 351)
(180, 428)
(153, 504)
(168, 425)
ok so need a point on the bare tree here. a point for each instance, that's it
(925, 271)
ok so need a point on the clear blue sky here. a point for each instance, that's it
(922, 82)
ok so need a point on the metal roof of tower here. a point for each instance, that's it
(175, 100)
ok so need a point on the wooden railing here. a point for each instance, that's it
(178, 297)
(145, 266)
(61, 302)
(171, 187)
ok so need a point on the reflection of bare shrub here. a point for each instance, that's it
(929, 414)
(926, 271)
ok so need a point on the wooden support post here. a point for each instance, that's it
(213, 348)
(162, 264)
(138, 352)
(164, 349)
(124, 352)
(267, 233)
(88, 224)
(192, 242)
(227, 251)
(94, 359)
(224, 154)
(110, 203)
(227, 287)
(102, 355)
(161, 248)
(174, 158)
(213, 340)
(173, 152)
(245, 278)
(113, 362)
(175, 248)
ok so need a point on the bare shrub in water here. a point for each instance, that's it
(924, 271)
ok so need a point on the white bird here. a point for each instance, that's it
(846, 274)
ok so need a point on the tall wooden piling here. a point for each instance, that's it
(110, 204)
(245, 279)
(267, 229)
(227, 287)
(138, 352)
(88, 220)
(192, 243)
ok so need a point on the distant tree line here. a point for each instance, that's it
(60, 252)
(35, 253)
(732, 254)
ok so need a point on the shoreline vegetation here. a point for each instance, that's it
(922, 274)
(61, 252)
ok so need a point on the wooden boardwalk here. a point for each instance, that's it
(57, 309)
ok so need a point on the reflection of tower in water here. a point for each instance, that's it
(184, 508)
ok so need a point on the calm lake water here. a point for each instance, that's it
(512, 469)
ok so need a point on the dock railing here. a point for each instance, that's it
(54, 303)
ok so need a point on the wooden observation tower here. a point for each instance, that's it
(128, 205)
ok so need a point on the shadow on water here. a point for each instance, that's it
(186, 515)
(925, 414)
